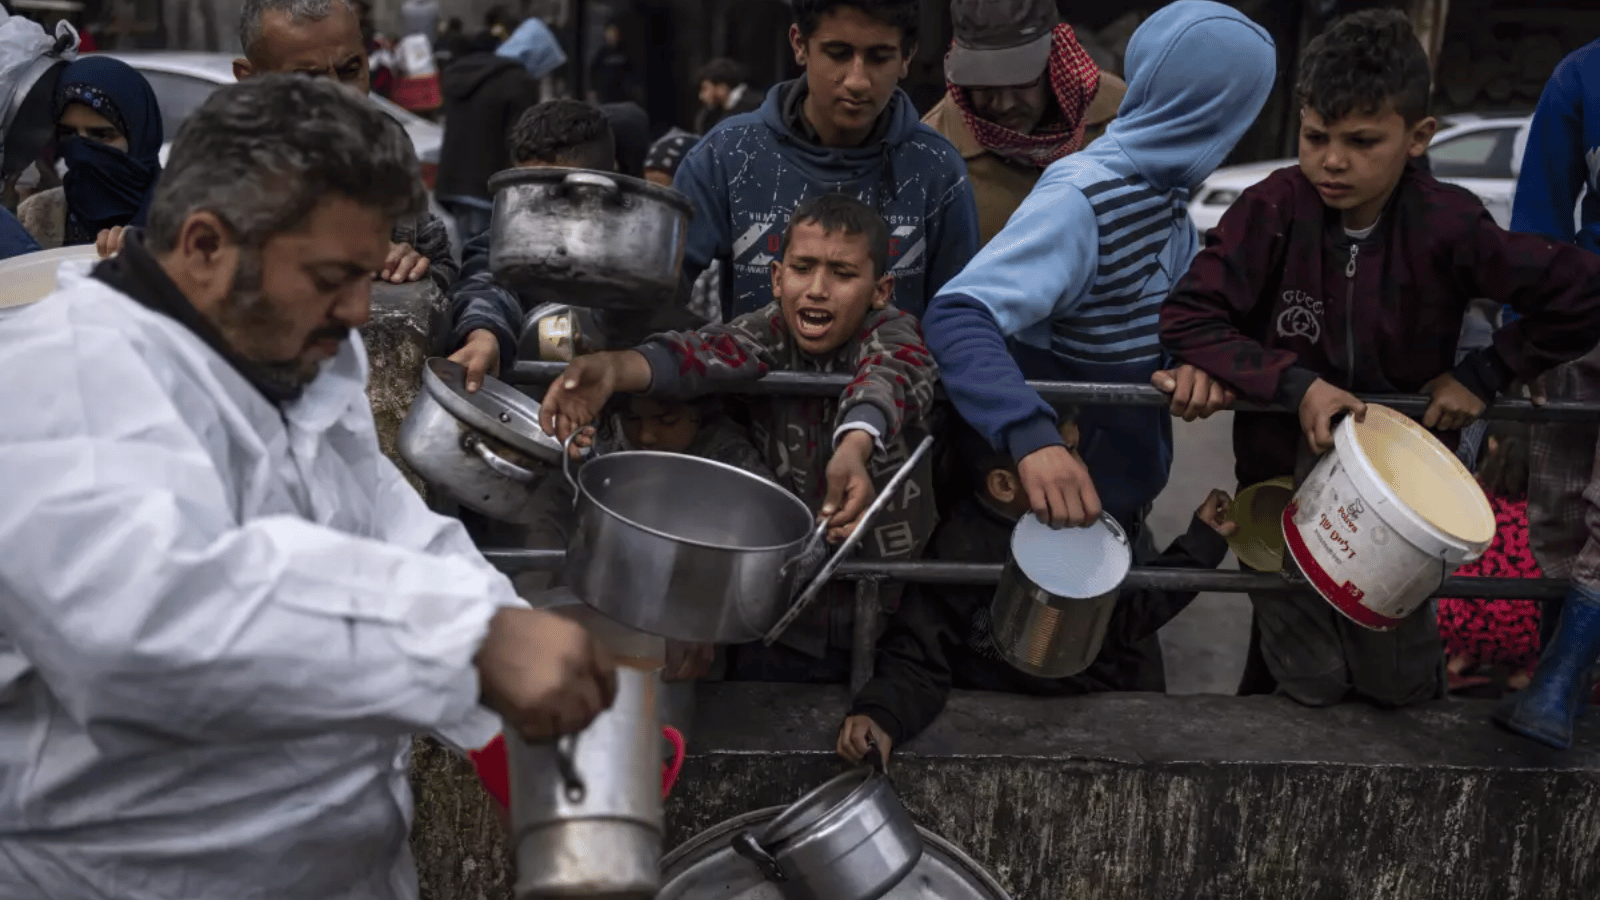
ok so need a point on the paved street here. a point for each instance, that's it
(1204, 646)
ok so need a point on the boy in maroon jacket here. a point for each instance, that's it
(1352, 272)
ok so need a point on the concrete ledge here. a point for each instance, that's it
(1144, 796)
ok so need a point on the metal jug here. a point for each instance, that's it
(586, 811)
(1057, 593)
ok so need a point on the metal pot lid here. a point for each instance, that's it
(497, 409)
(839, 792)
(707, 868)
(551, 175)
(1075, 563)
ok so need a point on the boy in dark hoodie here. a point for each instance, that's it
(845, 127)
(830, 313)
(1352, 272)
(940, 638)
(1071, 288)
(485, 318)
(484, 95)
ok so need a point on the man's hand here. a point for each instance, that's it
(1214, 512)
(109, 242)
(544, 674)
(1454, 405)
(576, 398)
(1195, 395)
(854, 735)
(480, 356)
(688, 662)
(404, 264)
(1059, 488)
(1318, 407)
(850, 488)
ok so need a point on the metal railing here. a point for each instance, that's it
(869, 574)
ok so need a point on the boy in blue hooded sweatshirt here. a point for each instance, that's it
(844, 127)
(1077, 276)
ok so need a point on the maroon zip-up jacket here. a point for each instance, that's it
(1281, 296)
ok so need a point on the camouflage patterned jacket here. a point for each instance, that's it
(891, 397)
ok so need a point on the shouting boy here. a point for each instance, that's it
(830, 313)
(941, 639)
(1352, 272)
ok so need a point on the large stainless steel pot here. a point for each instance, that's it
(706, 868)
(695, 550)
(485, 449)
(850, 839)
(587, 238)
(586, 811)
(1057, 593)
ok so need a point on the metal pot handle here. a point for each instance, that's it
(805, 549)
(566, 461)
(566, 762)
(849, 545)
(746, 845)
(606, 186)
(474, 444)
(1116, 529)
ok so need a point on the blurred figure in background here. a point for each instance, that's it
(724, 91)
(613, 78)
(484, 95)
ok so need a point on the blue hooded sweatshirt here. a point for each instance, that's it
(1563, 156)
(1077, 277)
(747, 176)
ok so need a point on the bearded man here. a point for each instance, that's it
(1022, 94)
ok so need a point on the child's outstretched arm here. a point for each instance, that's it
(574, 400)
(1140, 614)
(895, 378)
(685, 365)
(911, 675)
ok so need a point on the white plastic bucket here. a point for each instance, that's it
(1384, 517)
(32, 277)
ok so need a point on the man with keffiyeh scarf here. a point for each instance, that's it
(1022, 94)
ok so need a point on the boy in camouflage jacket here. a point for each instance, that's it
(831, 314)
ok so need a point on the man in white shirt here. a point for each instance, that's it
(223, 613)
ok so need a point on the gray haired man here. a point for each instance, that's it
(223, 612)
(322, 39)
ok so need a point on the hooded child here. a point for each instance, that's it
(843, 127)
(1076, 278)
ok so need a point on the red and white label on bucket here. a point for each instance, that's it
(1355, 561)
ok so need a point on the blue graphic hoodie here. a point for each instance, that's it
(1563, 156)
(1076, 278)
(752, 170)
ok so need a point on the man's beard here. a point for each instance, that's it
(250, 322)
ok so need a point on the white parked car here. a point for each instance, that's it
(183, 81)
(1480, 153)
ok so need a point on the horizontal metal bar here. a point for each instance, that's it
(1207, 580)
(816, 384)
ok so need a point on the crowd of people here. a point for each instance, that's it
(223, 612)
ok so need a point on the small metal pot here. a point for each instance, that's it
(586, 810)
(587, 238)
(850, 839)
(1057, 593)
(485, 449)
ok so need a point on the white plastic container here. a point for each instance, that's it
(1384, 517)
(31, 277)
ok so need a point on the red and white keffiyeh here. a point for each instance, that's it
(1074, 80)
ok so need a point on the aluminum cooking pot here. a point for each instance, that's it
(587, 238)
(696, 550)
(485, 449)
(850, 839)
(1057, 593)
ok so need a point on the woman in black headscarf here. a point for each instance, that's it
(109, 133)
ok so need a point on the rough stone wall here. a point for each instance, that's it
(399, 339)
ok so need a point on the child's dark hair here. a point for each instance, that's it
(723, 71)
(1504, 473)
(1362, 62)
(564, 133)
(905, 15)
(974, 451)
(843, 213)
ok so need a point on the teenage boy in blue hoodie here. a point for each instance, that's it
(1077, 276)
(844, 127)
